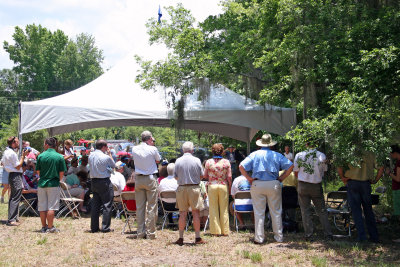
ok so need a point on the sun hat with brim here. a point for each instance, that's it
(119, 165)
(266, 141)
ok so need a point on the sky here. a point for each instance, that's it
(118, 26)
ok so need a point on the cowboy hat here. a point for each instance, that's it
(266, 141)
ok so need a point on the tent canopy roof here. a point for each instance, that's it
(114, 99)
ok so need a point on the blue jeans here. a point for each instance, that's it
(359, 194)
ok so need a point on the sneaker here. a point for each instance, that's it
(199, 241)
(52, 230)
(179, 242)
(44, 229)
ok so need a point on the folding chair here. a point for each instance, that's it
(129, 214)
(69, 203)
(117, 202)
(240, 195)
(26, 204)
(337, 204)
(164, 195)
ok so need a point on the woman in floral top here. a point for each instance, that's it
(219, 175)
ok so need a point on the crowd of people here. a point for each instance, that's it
(278, 183)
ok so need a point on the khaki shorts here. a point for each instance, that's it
(48, 198)
(189, 196)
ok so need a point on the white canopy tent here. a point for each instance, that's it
(114, 99)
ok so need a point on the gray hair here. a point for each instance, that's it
(187, 147)
(170, 169)
(146, 135)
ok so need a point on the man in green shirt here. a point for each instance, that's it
(50, 167)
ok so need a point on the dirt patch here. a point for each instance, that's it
(25, 246)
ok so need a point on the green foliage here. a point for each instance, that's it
(46, 64)
(337, 62)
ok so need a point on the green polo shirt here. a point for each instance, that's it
(50, 164)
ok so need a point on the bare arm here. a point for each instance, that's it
(61, 174)
(21, 161)
(341, 175)
(245, 174)
(395, 177)
(379, 175)
(285, 174)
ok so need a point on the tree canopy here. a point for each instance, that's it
(46, 64)
(337, 62)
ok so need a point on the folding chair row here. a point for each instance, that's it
(68, 203)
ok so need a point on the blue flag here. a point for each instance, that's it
(159, 14)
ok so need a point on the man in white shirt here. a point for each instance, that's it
(309, 169)
(118, 179)
(241, 184)
(13, 166)
(288, 154)
(146, 158)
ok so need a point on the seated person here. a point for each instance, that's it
(162, 170)
(73, 169)
(30, 174)
(83, 164)
(289, 197)
(240, 184)
(118, 179)
(75, 189)
(127, 171)
(169, 183)
(130, 186)
(205, 212)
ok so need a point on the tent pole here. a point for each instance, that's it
(248, 141)
(19, 128)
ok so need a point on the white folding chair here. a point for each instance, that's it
(240, 195)
(70, 203)
(129, 214)
(26, 205)
(117, 203)
(164, 195)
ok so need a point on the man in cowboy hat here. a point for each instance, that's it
(265, 180)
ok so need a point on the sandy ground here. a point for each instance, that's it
(25, 246)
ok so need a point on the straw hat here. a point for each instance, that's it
(266, 141)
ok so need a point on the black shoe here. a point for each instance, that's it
(92, 231)
(107, 231)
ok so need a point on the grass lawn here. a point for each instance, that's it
(25, 246)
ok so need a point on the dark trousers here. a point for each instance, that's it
(169, 207)
(15, 182)
(359, 194)
(103, 195)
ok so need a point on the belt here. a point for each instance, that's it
(188, 184)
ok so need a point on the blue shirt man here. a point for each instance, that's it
(265, 165)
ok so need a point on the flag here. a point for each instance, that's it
(159, 14)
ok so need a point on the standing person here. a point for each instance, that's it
(358, 182)
(188, 173)
(288, 154)
(14, 168)
(100, 165)
(265, 165)
(230, 154)
(146, 158)
(309, 170)
(50, 167)
(218, 172)
(4, 182)
(68, 151)
(395, 175)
